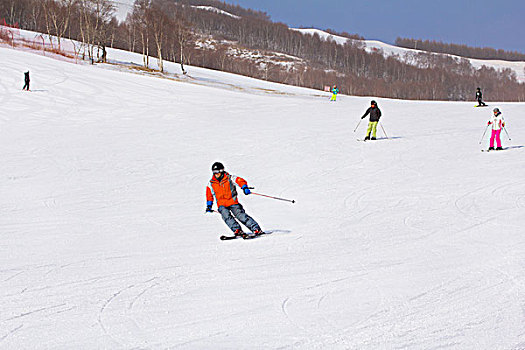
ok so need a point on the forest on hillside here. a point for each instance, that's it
(178, 31)
(482, 53)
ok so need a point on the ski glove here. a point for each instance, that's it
(208, 207)
(246, 190)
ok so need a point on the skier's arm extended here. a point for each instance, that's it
(366, 113)
(209, 199)
(241, 183)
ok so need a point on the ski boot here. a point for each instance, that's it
(499, 149)
(491, 148)
(367, 137)
(243, 235)
(373, 138)
(258, 232)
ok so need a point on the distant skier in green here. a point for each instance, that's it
(375, 114)
(479, 97)
(335, 91)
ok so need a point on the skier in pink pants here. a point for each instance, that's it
(497, 124)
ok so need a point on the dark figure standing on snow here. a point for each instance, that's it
(375, 114)
(26, 79)
(479, 97)
(222, 189)
(498, 123)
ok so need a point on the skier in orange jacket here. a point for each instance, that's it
(222, 188)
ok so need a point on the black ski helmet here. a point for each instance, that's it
(496, 110)
(373, 103)
(217, 166)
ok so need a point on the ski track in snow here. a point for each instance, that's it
(410, 242)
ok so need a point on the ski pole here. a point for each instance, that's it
(507, 133)
(281, 199)
(384, 132)
(358, 125)
(483, 134)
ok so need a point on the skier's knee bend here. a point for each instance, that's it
(225, 212)
(238, 211)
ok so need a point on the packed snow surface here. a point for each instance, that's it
(410, 242)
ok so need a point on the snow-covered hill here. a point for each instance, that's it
(389, 50)
(412, 242)
(125, 6)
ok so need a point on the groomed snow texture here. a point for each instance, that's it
(411, 242)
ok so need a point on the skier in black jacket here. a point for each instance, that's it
(479, 97)
(26, 80)
(375, 114)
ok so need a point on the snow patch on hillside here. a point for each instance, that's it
(123, 8)
(322, 34)
(216, 10)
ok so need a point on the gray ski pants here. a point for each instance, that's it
(238, 211)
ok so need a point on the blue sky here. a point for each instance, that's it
(482, 23)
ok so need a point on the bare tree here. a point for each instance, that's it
(14, 11)
(94, 21)
(159, 22)
(34, 17)
(140, 20)
(131, 33)
(183, 35)
(57, 14)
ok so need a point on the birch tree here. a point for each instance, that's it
(140, 20)
(159, 23)
(57, 14)
(94, 22)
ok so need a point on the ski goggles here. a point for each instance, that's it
(218, 171)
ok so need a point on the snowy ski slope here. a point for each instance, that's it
(415, 242)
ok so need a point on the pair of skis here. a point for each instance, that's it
(243, 236)
(377, 139)
(493, 150)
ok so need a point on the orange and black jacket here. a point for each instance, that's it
(224, 190)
